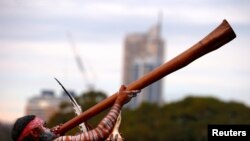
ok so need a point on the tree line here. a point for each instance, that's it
(184, 120)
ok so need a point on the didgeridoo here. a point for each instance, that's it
(214, 40)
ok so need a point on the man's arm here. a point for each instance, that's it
(104, 128)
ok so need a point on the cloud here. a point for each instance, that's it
(186, 12)
(35, 48)
(42, 20)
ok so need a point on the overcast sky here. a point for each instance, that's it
(34, 47)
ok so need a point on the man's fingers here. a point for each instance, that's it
(111, 138)
(133, 91)
(136, 91)
(116, 137)
(122, 88)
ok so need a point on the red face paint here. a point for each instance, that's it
(36, 122)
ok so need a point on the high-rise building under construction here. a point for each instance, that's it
(142, 53)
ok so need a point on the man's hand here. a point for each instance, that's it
(55, 129)
(124, 96)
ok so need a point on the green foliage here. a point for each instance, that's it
(86, 100)
(5, 131)
(184, 120)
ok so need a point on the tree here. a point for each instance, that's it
(183, 120)
(5, 132)
(86, 100)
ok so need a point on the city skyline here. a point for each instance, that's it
(44, 105)
(142, 53)
(35, 48)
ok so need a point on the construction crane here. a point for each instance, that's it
(82, 68)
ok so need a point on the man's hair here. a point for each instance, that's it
(19, 126)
